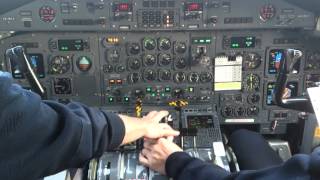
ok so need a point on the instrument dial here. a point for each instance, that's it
(60, 65)
(181, 63)
(134, 78)
(134, 64)
(179, 77)
(149, 43)
(164, 44)
(149, 60)
(252, 82)
(206, 77)
(134, 48)
(252, 61)
(193, 77)
(149, 75)
(164, 75)
(165, 59)
(84, 63)
(180, 47)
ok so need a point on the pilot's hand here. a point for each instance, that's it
(156, 152)
(148, 126)
(154, 129)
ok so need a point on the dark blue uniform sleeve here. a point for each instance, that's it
(180, 166)
(39, 138)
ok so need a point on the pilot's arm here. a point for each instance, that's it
(39, 138)
(167, 158)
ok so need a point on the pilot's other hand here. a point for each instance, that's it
(154, 129)
(156, 152)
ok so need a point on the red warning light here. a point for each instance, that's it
(194, 7)
(123, 7)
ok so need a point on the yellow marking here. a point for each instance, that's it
(227, 86)
(317, 132)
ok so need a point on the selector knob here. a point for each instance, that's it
(179, 77)
(164, 75)
(165, 59)
(149, 59)
(134, 78)
(164, 44)
(120, 69)
(149, 75)
(181, 63)
(206, 77)
(134, 48)
(138, 93)
(194, 77)
(134, 64)
(178, 93)
(149, 43)
(180, 47)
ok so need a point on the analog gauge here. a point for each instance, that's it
(149, 43)
(47, 14)
(206, 77)
(134, 78)
(181, 63)
(133, 48)
(179, 77)
(252, 82)
(134, 64)
(193, 77)
(149, 75)
(164, 75)
(149, 60)
(84, 63)
(60, 65)
(267, 12)
(252, 61)
(62, 86)
(165, 59)
(180, 47)
(164, 44)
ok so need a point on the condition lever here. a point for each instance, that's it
(18, 55)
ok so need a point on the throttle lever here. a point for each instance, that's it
(18, 55)
(292, 56)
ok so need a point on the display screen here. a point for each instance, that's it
(290, 91)
(201, 121)
(122, 7)
(193, 7)
(243, 42)
(71, 45)
(36, 62)
(275, 58)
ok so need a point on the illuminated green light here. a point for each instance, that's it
(191, 89)
(153, 94)
(162, 94)
(126, 99)
(208, 41)
(111, 99)
(167, 89)
(148, 89)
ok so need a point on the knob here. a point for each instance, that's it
(134, 48)
(149, 43)
(149, 59)
(179, 77)
(164, 75)
(164, 44)
(180, 47)
(138, 93)
(165, 59)
(120, 69)
(181, 63)
(178, 93)
(134, 64)
(194, 77)
(253, 98)
(149, 75)
(206, 77)
(134, 78)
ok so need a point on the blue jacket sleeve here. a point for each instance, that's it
(39, 138)
(180, 166)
